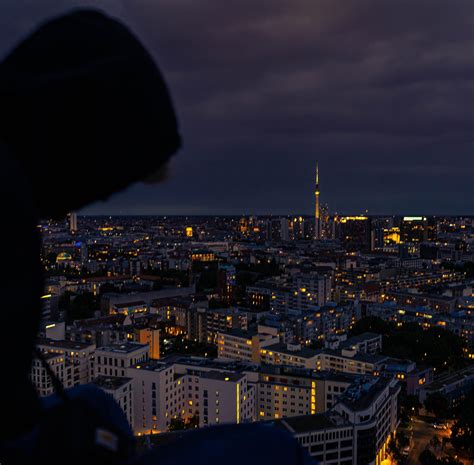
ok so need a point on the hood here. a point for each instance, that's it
(85, 111)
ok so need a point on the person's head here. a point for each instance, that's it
(85, 110)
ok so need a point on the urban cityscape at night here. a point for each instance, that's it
(237, 233)
(353, 333)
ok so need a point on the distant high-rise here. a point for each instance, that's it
(317, 213)
(73, 223)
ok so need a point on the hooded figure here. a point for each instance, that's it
(84, 113)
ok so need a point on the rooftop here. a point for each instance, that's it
(110, 383)
(136, 303)
(125, 348)
(304, 352)
(363, 392)
(306, 423)
(67, 345)
(222, 376)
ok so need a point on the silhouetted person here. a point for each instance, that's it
(84, 113)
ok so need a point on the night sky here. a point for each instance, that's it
(381, 92)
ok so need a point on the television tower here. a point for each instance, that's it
(317, 223)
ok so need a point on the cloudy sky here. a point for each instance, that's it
(380, 92)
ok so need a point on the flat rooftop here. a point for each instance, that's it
(367, 336)
(304, 352)
(360, 396)
(68, 345)
(110, 383)
(125, 348)
(446, 379)
(222, 376)
(306, 423)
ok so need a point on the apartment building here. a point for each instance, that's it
(113, 360)
(78, 358)
(243, 345)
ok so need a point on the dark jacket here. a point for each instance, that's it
(84, 112)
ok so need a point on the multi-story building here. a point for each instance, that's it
(354, 232)
(40, 377)
(114, 360)
(226, 282)
(287, 391)
(371, 405)
(454, 386)
(166, 390)
(290, 355)
(243, 345)
(328, 438)
(121, 390)
(78, 356)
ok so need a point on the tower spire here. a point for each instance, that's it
(317, 225)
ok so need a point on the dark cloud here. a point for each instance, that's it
(380, 93)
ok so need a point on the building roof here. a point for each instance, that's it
(68, 345)
(222, 376)
(136, 303)
(111, 383)
(367, 336)
(125, 348)
(306, 423)
(304, 352)
(362, 394)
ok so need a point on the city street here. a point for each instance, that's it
(421, 432)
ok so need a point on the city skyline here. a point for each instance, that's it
(237, 232)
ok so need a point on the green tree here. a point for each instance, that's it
(193, 422)
(78, 306)
(411, 403)
(176, 424)
(427, 458)
(462, 432)
(437, 404)
(371, 324)
(434, 347)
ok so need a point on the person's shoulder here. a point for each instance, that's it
(15, 189)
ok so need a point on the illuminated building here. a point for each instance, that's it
(354, 232)
(289, 355)
(113, 360)
(40, 377)
(317, 213)
(79, 359)
(203, 256)
(300, 291)
(326, 223)
(129, 308)
(121, 389)
(179, 388)
(308, 289)
(358, 428)
(73, 223)
(150, 337)
(452, 385)
(297, 229)
(372, 407)
(189, 231)
(327, 438)
(243, 345)
(413, 229)
(278, 229)
(286, 392)
(226, 282)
